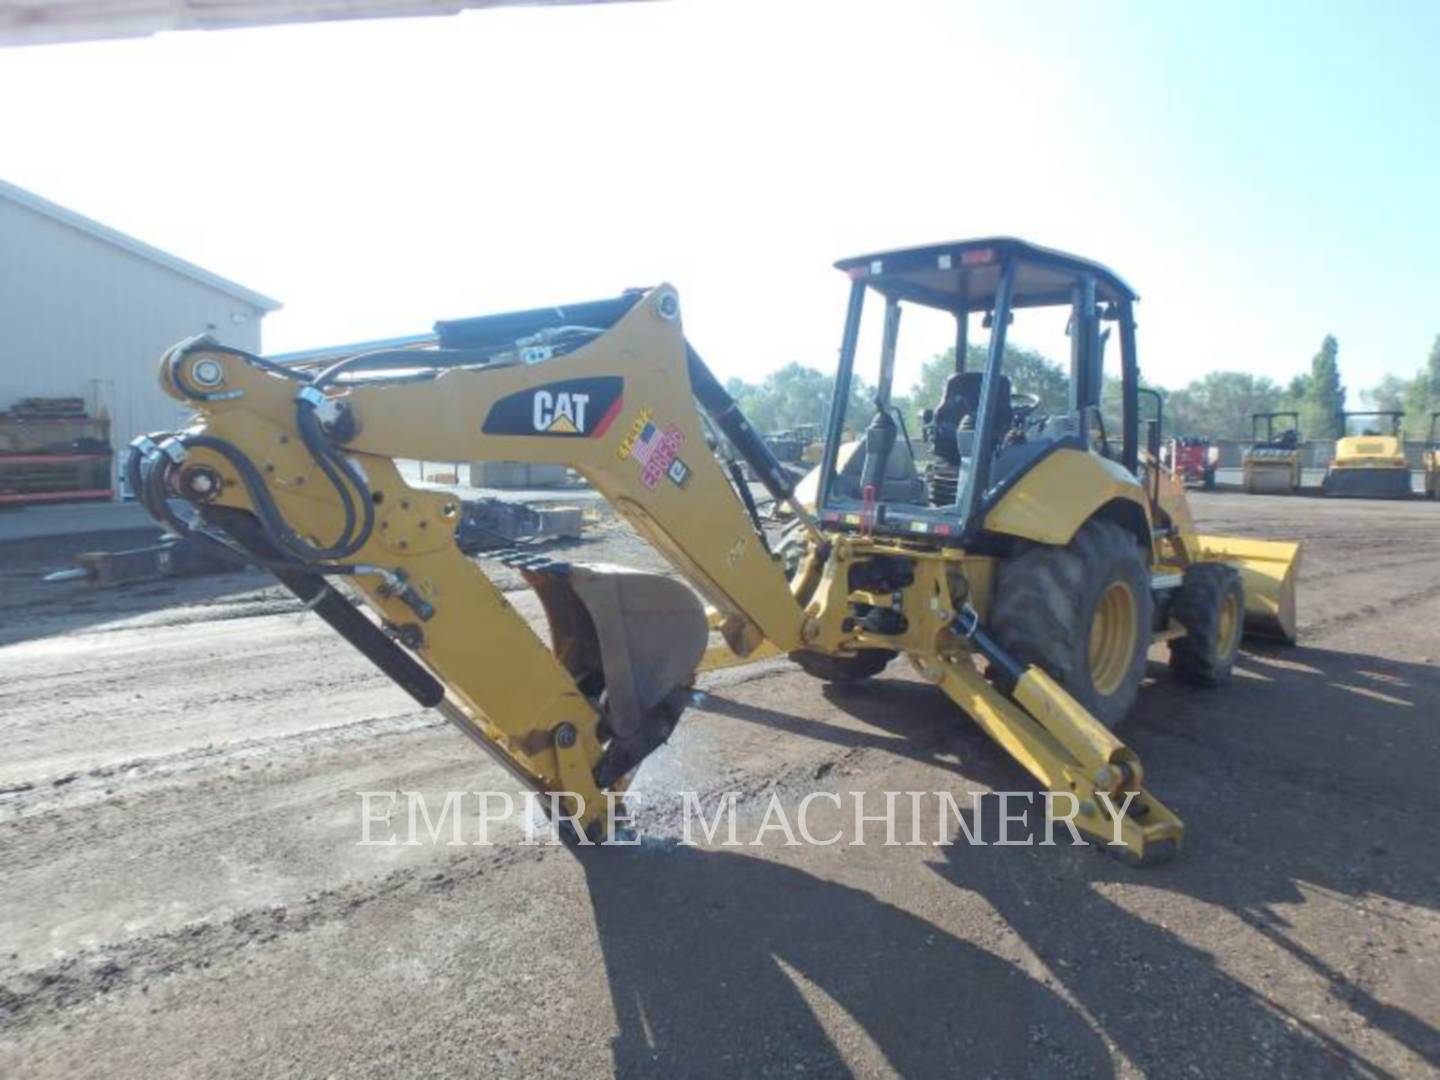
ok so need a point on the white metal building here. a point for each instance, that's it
(86, 311)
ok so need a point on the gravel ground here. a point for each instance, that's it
(183, 894)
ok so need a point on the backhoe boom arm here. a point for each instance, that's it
(286, 468)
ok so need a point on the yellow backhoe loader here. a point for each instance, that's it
(1370, 464)
(1432, 458)
(1271, 465)
(1036, 545)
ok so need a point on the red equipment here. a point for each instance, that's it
(1192, 461)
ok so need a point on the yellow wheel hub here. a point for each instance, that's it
(1112, 637)
(1227, 632)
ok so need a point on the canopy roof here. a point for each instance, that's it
(28, 22)
(965, 274)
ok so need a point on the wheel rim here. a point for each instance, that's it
(1112, 638)
(1227, 632)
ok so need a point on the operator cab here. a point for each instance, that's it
(1275, 430)
(989, 425)
(1372, 424)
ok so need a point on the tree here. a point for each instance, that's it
(1029, 372)
(1324, 398)
(1032, 373)
(1295, 393)
(1422, 396)
(795, 395)
(1220, 404)
(1389, 393)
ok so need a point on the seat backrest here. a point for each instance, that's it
(962, 399)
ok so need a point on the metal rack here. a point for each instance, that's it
(47, 458)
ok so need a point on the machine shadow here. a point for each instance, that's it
(1310, 772)
(759, 959)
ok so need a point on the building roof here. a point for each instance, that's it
(29, 22)
(45, 208)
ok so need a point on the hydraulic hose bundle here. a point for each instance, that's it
(153, 462)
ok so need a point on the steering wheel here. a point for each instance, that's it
(1023, 404)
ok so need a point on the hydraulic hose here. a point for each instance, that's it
(276, 527)
(725, 414)
(333, 465)
(348, 483)
(149, 468)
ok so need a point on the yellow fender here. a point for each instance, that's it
(1050, 502)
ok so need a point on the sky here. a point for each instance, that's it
(1262, 174)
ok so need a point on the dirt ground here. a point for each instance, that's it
(182, 892)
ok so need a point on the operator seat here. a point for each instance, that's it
(958, 410)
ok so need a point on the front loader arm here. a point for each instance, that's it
(620, 410)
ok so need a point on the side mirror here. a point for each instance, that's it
(1152, 438)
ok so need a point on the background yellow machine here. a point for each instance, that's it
(1271, 464)
(1025, 572)
(1432, 458)
(1371, 463)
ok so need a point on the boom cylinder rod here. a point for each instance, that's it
(344, 617)
(1008, 669)
(726, 415)
(348, 621)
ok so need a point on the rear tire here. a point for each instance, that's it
(843, 669)
(1082, 613)
(1211, 608)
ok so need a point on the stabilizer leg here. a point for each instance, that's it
(1060, 744)
(1148, 833)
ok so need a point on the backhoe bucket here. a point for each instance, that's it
(638, 637)
(1268, 568)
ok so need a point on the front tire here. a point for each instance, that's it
(1211, 607)
(865, 664)
(1082, 613)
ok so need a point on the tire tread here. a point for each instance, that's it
(1195, 658)
(1039, 617)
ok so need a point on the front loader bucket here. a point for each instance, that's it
(1268, 568)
